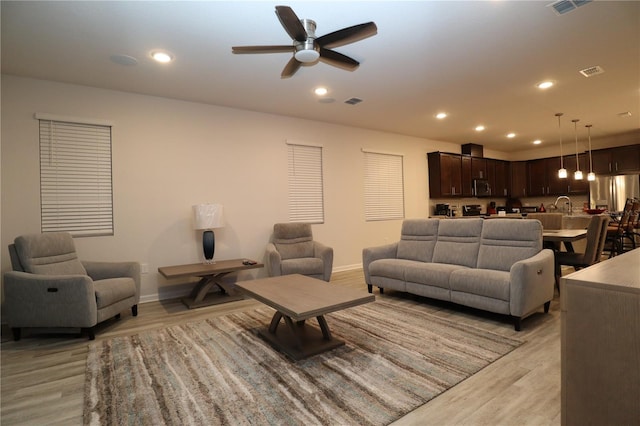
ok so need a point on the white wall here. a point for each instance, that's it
(169, 155)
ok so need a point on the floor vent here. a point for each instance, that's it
(353, 101)
(591, 71)
(563, 6)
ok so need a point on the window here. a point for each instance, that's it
(306, 201)
(383, 186)
(75, 177)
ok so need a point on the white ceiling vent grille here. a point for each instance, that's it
(353, 101)
(591, 71)
(563, 6)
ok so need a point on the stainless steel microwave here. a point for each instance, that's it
(481, 188)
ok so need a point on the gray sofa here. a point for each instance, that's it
(497, 265)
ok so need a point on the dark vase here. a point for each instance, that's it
(208, 245)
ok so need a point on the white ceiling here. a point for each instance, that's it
(477, 60)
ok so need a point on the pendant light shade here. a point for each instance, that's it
(578, 174)
(591, 176)
(562, 172)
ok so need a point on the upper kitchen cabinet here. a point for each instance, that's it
(623, 159)
(478, 168)
(445, 175)
(544, 180)
(467, 180)
(577, 186)
(518, 174)
(498, 175)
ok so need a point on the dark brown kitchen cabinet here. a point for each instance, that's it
(623, 159)
(467, 180)
(445, 175)
(543, 176)
(519, 183)
(577, 186)
(498, 175)
(478, 168)
(537, 174)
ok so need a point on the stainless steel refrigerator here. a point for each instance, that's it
(613, 191)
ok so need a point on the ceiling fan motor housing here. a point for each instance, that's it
(306, 50)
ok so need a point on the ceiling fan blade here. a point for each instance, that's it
(262, 49)
(291, 23)
(290, 69)
(338, 59)
(347, 35)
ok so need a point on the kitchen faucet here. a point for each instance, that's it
(555, 205)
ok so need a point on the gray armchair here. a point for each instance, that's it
(293, 251)
(50, 287)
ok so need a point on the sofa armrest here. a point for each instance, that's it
(369, 254)
(326, 254)
(532, 283)
(34, 300)
(273, 261)
(105, 270)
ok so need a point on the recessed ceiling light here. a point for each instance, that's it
(441, 115)
(511, 135)
(320, 91)
(545, 84)
(162, 56)
(537, 142)
(479, 128)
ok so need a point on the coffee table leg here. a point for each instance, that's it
(274, 322)
(326, 334)
(294, 330)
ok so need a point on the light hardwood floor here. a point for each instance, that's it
(43, 374)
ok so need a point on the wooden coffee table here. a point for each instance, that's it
(297, 298)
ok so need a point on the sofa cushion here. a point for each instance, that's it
(418, 239)
(433, 274)
(481, 282)
(458, 242)
(303, 265)
(113, 290)
(50, 253)
(293, 240)
(390, 268)
(507, 241)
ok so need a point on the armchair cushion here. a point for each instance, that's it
(113, 290)
(293, 240)
(49, 254)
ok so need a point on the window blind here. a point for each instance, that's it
(383, 186)
(75, 178)
(306, 201)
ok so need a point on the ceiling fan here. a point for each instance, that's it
(306, 48)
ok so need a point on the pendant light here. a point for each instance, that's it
(562, 173)
(591, 176)
(577, 175)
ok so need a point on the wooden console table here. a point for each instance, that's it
(211, 275)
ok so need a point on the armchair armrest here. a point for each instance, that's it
(105, 270)
(369, 254)
(34, 300)
(326, 254)
(532, 282)
(273, 261)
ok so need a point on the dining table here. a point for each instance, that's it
(553, 237)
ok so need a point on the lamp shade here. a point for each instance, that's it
(208, 216)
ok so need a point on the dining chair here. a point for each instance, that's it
(596, 236)
(614, 243)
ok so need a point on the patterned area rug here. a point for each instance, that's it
(218, 371)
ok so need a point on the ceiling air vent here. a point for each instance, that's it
(563, 6)
(353, 101)
(591, 71)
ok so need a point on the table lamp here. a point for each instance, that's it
(207, 217)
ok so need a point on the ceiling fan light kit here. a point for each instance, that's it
(308, 49)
